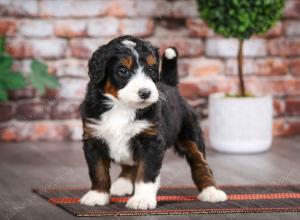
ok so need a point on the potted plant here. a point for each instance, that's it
(240, 123)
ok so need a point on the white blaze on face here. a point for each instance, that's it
(129, 94)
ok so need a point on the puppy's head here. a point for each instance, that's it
(126, 70)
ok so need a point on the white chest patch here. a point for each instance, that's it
(117, 126)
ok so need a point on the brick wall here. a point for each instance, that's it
(64, 33)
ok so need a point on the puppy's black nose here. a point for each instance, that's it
(144, 93)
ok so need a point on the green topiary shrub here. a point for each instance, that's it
(240, 19)
(39, 77)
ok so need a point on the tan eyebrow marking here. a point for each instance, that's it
(127, 62)
(150, 60)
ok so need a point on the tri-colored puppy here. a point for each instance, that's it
(131, 114)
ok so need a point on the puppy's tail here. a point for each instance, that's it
(169, 73)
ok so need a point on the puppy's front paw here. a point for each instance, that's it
(93, 197)
(211, 194)
(142, 202)
(121, 187)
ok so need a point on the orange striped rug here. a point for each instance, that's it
(183, 200)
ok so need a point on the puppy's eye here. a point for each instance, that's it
(123, 72)
(151, 70)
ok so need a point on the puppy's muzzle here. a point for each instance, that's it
(144, 93)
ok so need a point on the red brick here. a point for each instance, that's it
(70, 28)
(255, 47)
(50, 95)
(292, 9)
(137, 27)
(32, 110)
(83, 48)
(26, 93)
(167, 28)
(186, 8)
(121, 8)
(295, 67)
(278, 107)
(292, 28)
(278, 86)
(284, 47)
(154, 8)
(203, 67)
(286, 126)
(189, 90)
(186, 47)
(280, 127)
(260, 87)
(69, 68)
(182, 68)
(8, 27)
(22, 65)
(4, 5)
(265, 66)
(275, 31)
(174, 9)
(42, 48)
(232, 68)
(36, 28)
(28, 8)
(73, 8)
(72, 88)
(293, 87)
(216, 85)
(103, 27)
(65, 110)
(6, 111)
(293, 106)
(219, 47)
(202, 88)
(271, 66)
(197, 28)
(41, 131)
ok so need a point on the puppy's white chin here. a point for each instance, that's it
(140, 105)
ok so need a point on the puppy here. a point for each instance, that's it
(130, 116)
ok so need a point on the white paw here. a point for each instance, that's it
(170, 53)
(121, 187)
(211, 194)
(93, 197)
(141, 202)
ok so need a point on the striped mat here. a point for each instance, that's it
(183, 201)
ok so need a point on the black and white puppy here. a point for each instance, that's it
(130, 116)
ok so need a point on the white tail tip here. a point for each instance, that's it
(170, 53)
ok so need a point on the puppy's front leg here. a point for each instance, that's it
(145, 192)
(98, 165)
(147, 180)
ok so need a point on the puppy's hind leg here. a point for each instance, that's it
(193, 150)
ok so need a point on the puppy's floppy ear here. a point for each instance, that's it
(157, 57)
(156, 53)
(97, 64)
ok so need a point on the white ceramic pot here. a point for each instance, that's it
(240, 125)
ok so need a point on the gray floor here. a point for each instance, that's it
(27, 165)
